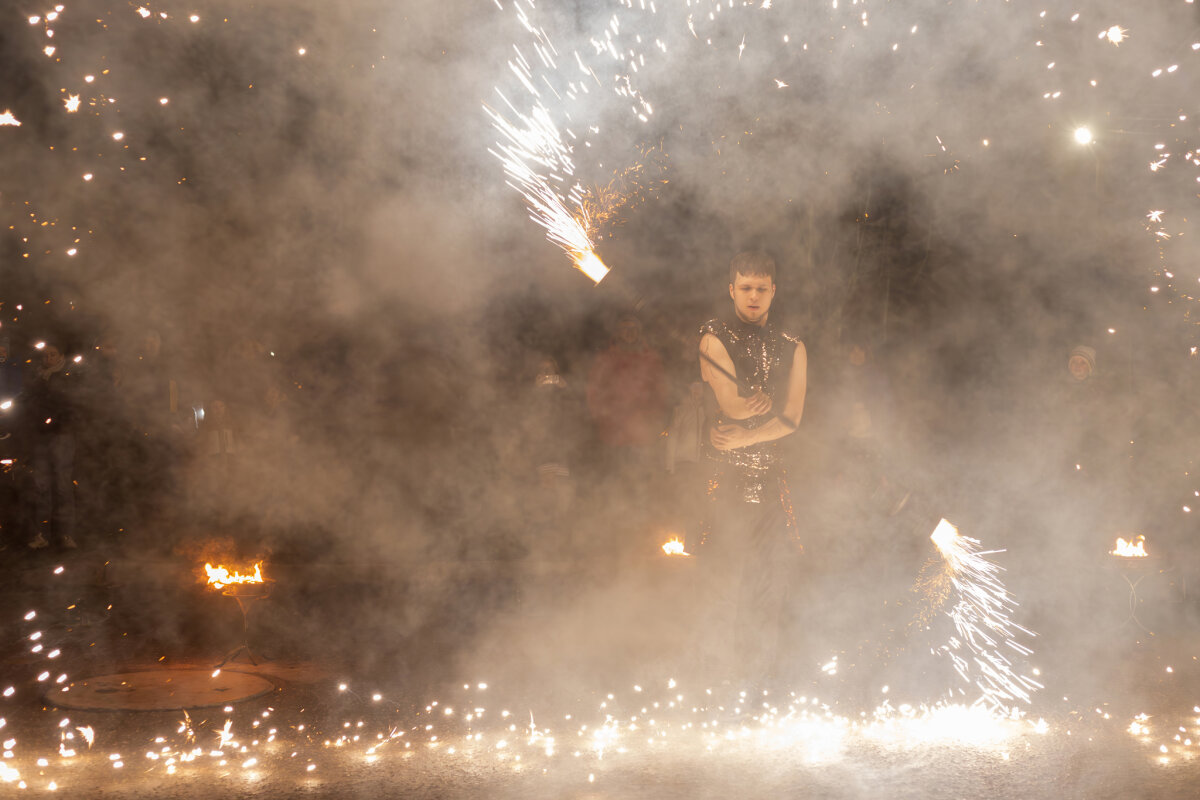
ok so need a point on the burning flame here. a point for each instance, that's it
(1134, 548)
(220, 577)
(674, 547)
(590, 264)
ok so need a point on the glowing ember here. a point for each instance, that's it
(674, 547)
(7, 118)
(220, 577)
(1134, 548)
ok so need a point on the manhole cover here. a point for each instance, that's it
(159, 690)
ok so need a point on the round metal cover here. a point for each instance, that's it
(159, 690)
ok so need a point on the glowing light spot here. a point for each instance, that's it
(1083, 135)
(7, 118)
(118, 136)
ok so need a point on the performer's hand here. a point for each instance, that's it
(730, 437)
(758, 403)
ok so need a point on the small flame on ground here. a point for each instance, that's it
(674, 547)
(221, 577)
(1134, 548)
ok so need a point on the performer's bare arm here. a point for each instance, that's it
(724, 387)
(731, 437)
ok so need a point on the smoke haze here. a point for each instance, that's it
(334, 220)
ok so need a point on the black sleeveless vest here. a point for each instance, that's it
(762, 359)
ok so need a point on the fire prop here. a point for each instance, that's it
(982, 622)
(245, 589)
(1134, 548)
(220, 577)
(674, 547)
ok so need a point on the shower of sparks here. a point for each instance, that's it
(981, 617)
(540, 133)
(536, 142)
(602, 205)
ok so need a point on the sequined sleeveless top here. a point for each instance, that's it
(762, 359)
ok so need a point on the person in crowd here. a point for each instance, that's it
(11, 376)
(860, 423)
(626, 393)
(626, 397)
(757, 373)
(11, 386)
(686, 463)
(50, 414)
(552, 425)
(149, 387)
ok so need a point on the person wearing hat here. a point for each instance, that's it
(1082, 362)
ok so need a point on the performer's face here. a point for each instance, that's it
(752, 295)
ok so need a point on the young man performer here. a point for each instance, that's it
(758, 375)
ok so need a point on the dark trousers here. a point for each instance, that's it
(747, 563)
(53, 462)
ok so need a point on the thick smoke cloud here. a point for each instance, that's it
(340, 209)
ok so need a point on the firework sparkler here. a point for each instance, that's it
(981, 615)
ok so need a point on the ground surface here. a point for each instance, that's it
(1118, 720)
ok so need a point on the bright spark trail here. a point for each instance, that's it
(986, 633)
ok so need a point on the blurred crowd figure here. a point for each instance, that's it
(627, 402)
(109, 442)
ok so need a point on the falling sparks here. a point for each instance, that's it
(981, 617)
(7, 118)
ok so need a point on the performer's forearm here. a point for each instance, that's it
(776, 428)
